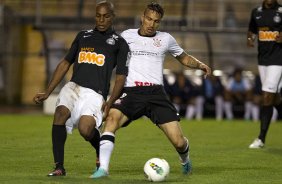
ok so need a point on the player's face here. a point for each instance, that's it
(150, 22)
(269, 2)
(104, 18)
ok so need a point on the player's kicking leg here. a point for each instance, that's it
(181, 144)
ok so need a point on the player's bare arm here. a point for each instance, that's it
(250, 39)
(58, 75)
(192, 62)
(119, 83)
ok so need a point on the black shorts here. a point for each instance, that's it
(150, 101)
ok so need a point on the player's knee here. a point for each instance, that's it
(61, 115)
(268, 99)
(85, 132)
(111, 124)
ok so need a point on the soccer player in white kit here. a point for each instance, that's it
(143, 92)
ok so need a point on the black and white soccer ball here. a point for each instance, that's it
(156, 169)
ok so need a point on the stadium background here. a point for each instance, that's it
(35, 34)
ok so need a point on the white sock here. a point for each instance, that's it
(184, 157)
(106, 149)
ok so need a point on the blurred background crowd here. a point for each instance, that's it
(220, 96)
(35, 35)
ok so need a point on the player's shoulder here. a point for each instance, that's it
(82, 33)
(117, 37)
(279, 8)
(128, 32)
(257, 9)
(163, 34)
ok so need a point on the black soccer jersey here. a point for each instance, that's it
(267, 23)
(94, 55)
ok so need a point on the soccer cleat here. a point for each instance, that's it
(57, 172)
(257, 144)
(187, 168)
(100, 173)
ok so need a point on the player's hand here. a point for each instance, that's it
(278, 38)
(250, 42)
(40, 97)
(106, 108)
(206, 69)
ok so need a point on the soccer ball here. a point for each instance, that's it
(156, 169)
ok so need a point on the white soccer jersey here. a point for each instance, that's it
(147, 57)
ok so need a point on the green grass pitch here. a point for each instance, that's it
(219, 152)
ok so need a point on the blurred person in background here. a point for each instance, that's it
(94, 54)
(183, 95)
(211, 92)
(266, 25)
(238, 91)
(144, 93)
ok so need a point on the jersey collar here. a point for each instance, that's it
(145, 35)
(108, 31)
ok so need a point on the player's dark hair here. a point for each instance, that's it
(107, 4)
(155, 7)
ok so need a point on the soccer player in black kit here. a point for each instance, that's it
(266, 25)
(81, 102)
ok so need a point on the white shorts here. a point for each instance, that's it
(271, 78)
(80, 101)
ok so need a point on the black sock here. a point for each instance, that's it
(265, 119)
(59, 136)
(95, 141)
